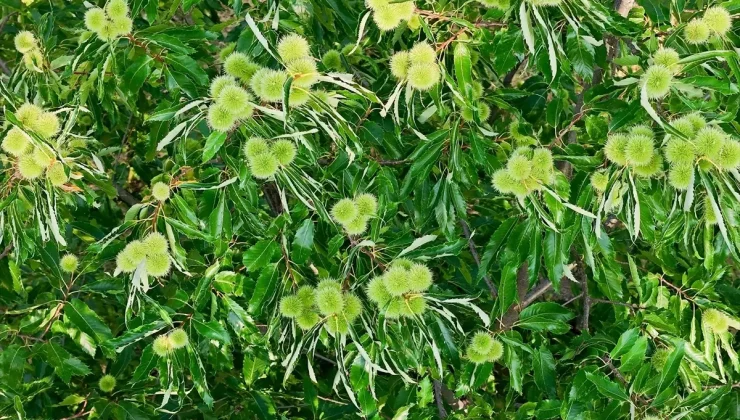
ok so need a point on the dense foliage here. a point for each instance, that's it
(369, 208)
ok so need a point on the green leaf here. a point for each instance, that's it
(136, 74)
(253, 368)
(545, 316)
(507, 292)
(87, 321)
(635, 357)
(543, 364)
(580, 54)
(553, 253)
(225, 281)
(147, 363)
(65, 365)
(212, 330)
(220, 221)
(266, 284)
(464, 71)
(260, 254)
(670, 370)
(214, 142)
(506, 44)
(186, 65)
(498, 239)
(12, 361)
(606, 387)
(659, 11)
(303, 242)
(304, 235)
(625, 342)
(133, 335)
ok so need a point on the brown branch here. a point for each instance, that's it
(6, 251)
(442, 413)
(611, 302)
(586, 306)
(535, 294)
(608, 362)
(126, 196)
(623, 7)
(5, 20)
(617, 374)
(157, 57)
(512, 73)
(367, 252)
(677, 289)
(525, 299)
(287, 265)
(476, 258)
(272, 195)
(390, 162)
(123, 193)
(80, 414)
(449, 41)
(4, 66)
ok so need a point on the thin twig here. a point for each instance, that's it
(391, 162)
(735, 385)
(608, 362)
(535, 294)
(286, 257)
(82, 411)
(367, 252)
(586, 305)
(78, 415)
(573, 299)
(476, 258)
(449, 41)
(677, 289)
(525, 299)
(611, 302)
(324, 358)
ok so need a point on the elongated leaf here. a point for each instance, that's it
(544, 371)
(260, 254)
(88, 321)
(212, 330)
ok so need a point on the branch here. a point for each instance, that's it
(623, 7)
(438, 399)
(535, 294)
(390, 162)
(371, 254)
(476, 258)
(511, 74)
(611, 302)
(608, 362)
(4, 66)
(583, 281)
(126, 196)
(272, 195)
(586, 306)
(6, 251)
(123, 193)
(525, 299)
